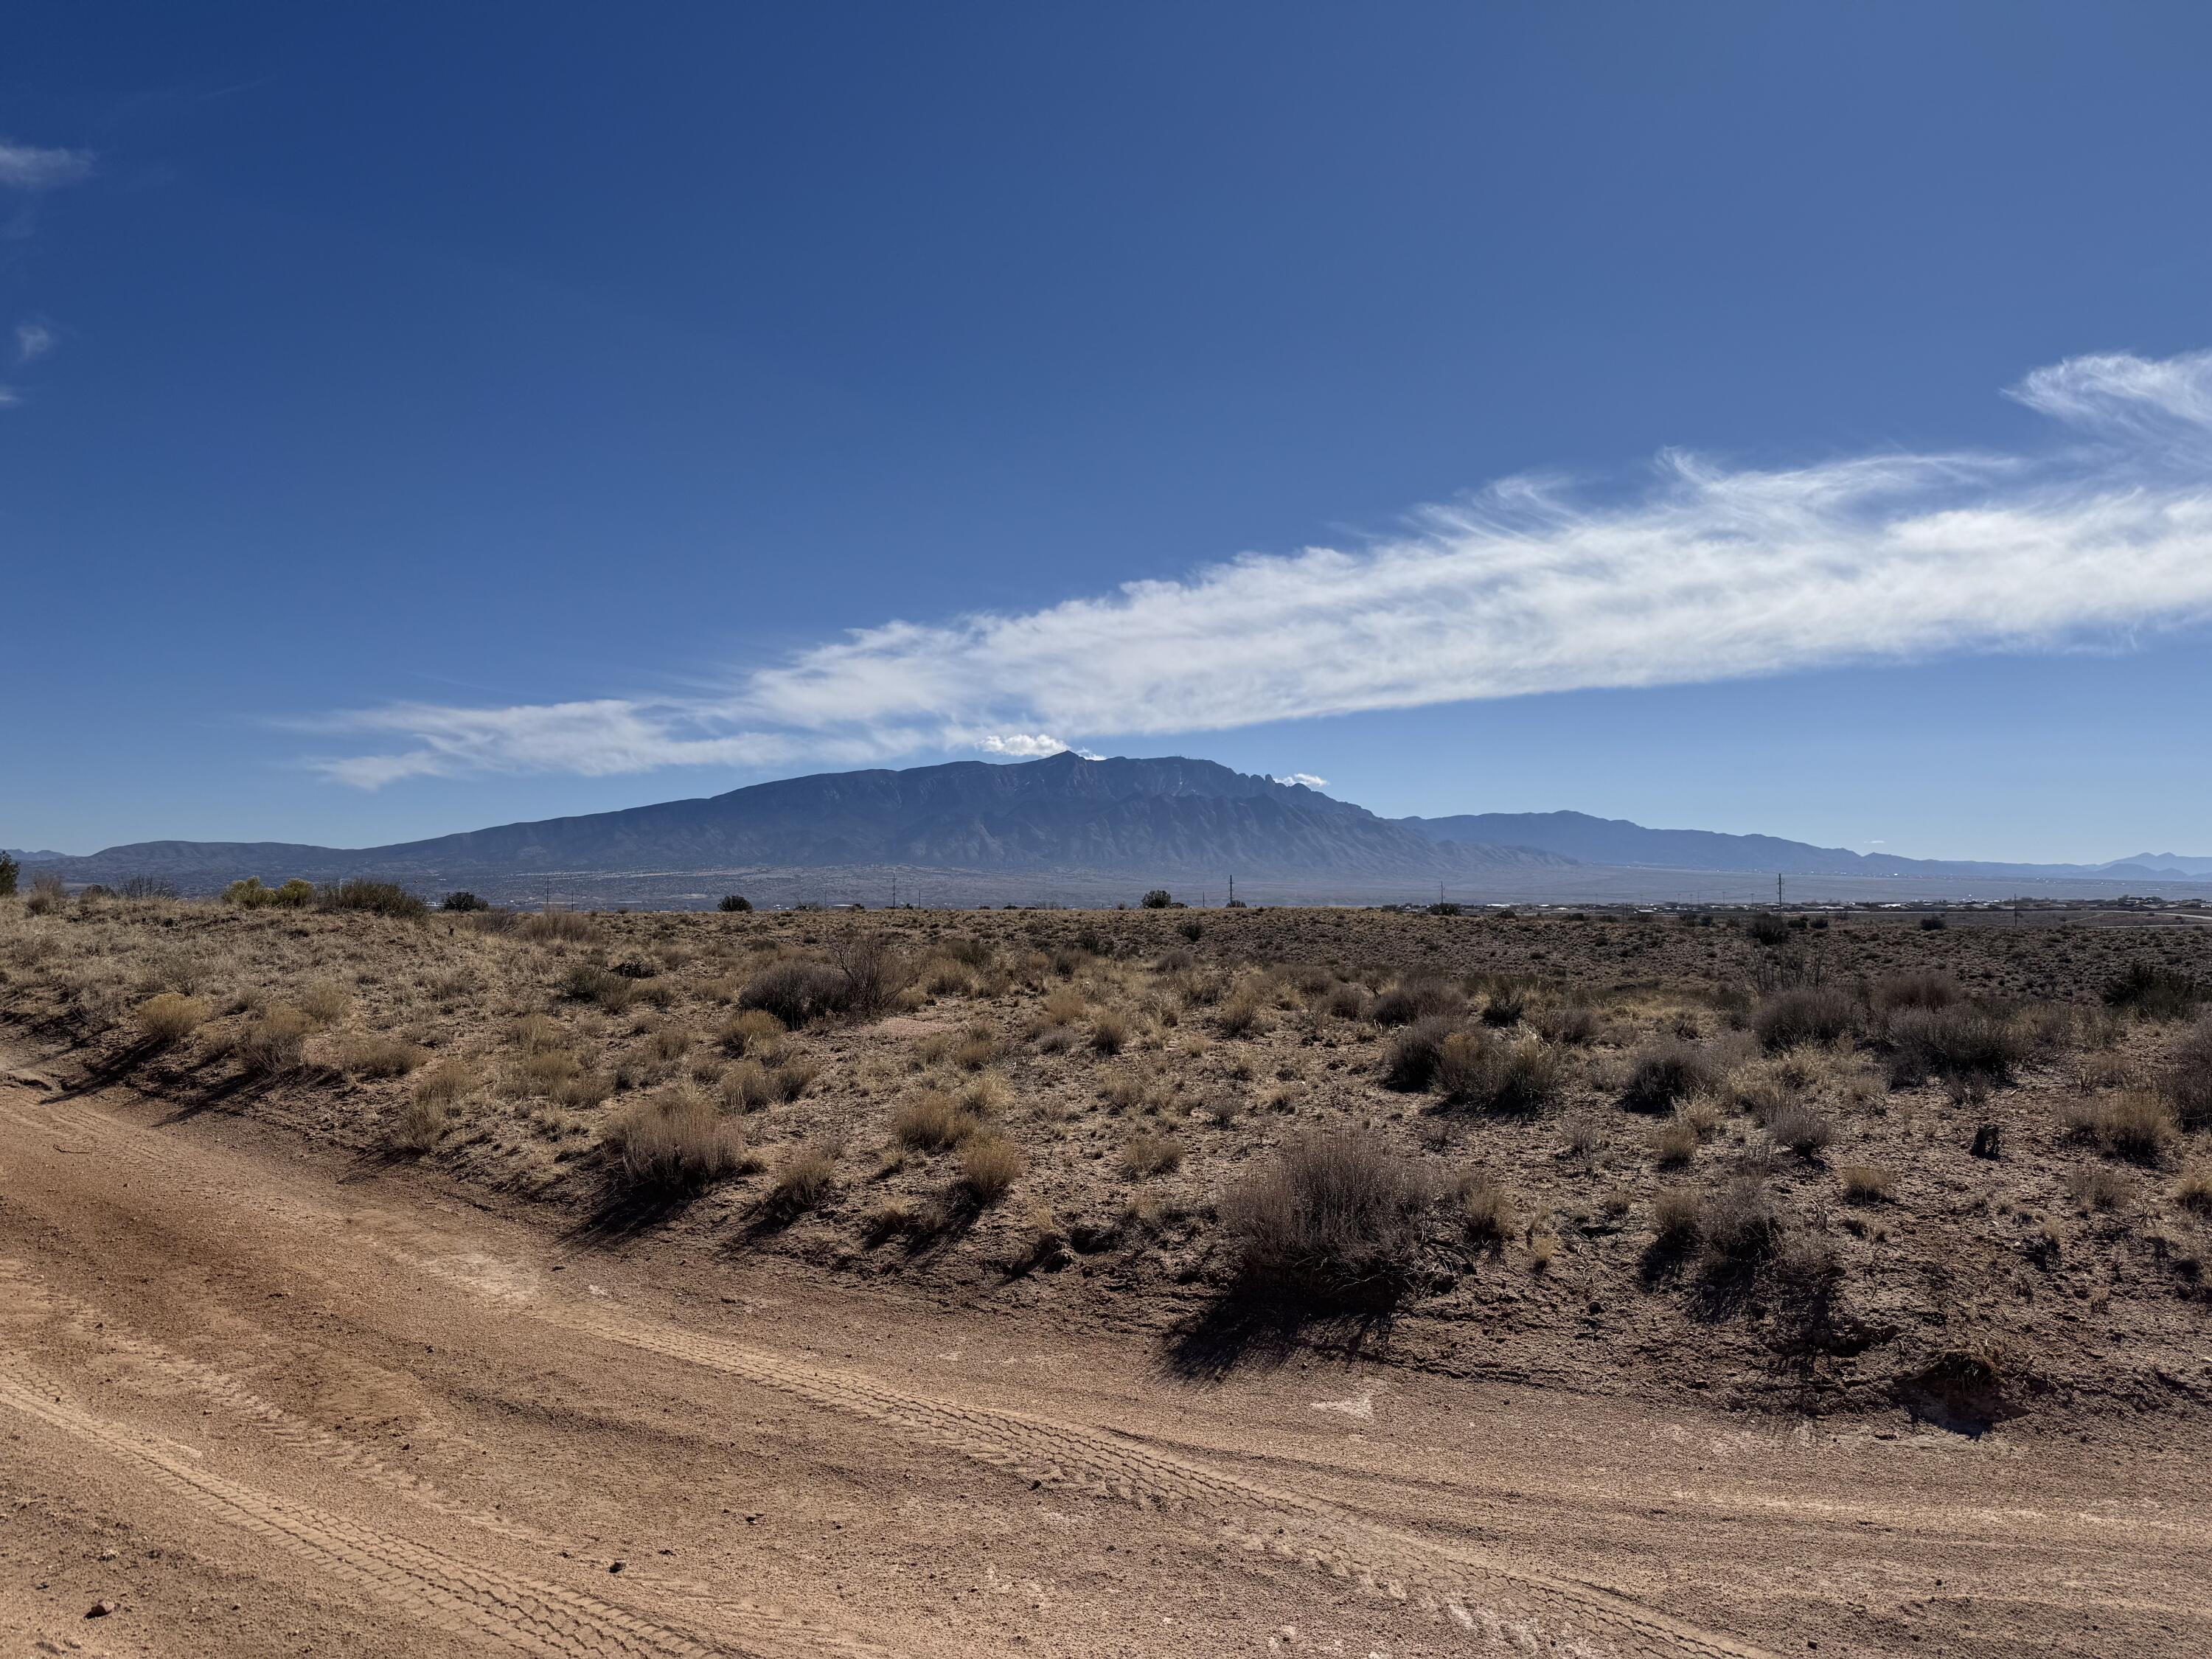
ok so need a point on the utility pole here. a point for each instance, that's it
(1778, 889)
(1232, 891)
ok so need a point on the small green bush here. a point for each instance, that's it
(734, 903)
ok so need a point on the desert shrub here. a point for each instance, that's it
(1110, 1031)
(1410, 1063)
(556, 927)
(1147, 1153)
(1176, 960)
(2188, 1079)
(1334, 1220)
(989, 1164)
(2154, 991)
(1571, 1024)
(1242, 1015)
(804, 1179)
(463, 901)
(934, 1122)
(1866, 1183)
(444, 1085)
(169, 1019)
(1505, 1005)
(978, 1047)
(753, 1031)
(1675, 1144)
(2194, 1190)
(1767, 928)
(1194, 929)
(1954, 1042)
(792, 1079)
(1157, 899)
(325, 1002)
(248, 894)
(1738, 1226)
(144, 887)
(382, 898)
(417, 1123)
(1801, 1129)
(590, 981)
(2096, 1187)
(1487, 1207)
(47, 896)
(379, 1056)
(2136, 1123)
(583, 1089)
(1474, 1069)
(733, 903)
(10, 871)
(1806, 1013)
(1665, 1073)
(673, 1141)
(1677, 1217)
(942, 976)
(875, 971)
(1416, 999)
(796, 991)
(274, 1041)
(1918, 988)
(746, 1087)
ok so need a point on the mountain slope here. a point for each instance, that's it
(1165, 817)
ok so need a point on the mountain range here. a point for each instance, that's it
(1157, 820)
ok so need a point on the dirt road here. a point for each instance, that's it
(259, 1399)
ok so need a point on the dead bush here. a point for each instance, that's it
(168, 1018)
(1334, 1220)
(1665, 1073)
(1866, 1183)
(804, 1179)
(989, 1164)
(555, 927)
(934, 1121)
(324, 1002)
(1486, 1208)
(2194, 1190)
(2188, 1079)
(796, 991)
(1241, 1015)
(379, 1057)
(1674, 1145)
(1803, 1130)
(1918, 988)
(2097, 1187)
(2135, 1123)
(1411, 1064)
(1738, 1226)
(1571, 1024)
(674, 1141)
(2154, 991)
(1110, 1032)
(274, 1041)
(1958, 1040)
(1677, 1217)
(1148, 1153)
(1415, 999)
(1806, 1013)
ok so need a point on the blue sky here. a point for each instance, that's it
(1748, 418)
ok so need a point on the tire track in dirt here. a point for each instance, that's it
(749, 1618)
(457, 1597)
(1509, 1608)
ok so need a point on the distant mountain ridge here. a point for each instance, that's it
(1162, 818)
(1168, 819)
(1617, 842)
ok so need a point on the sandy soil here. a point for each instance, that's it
(261, 1397)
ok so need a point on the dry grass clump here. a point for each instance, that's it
(1417, 997)
(1678, 1215)
(2135, 1123)
(1335, 1219)
(556, 927)
(1674, 1143)
(1866, 1183)
(422, 1117)
(379, 1056)
(2154, 991)
(804, 1179)
(1803, 1130)
(795, 992)
(989, 1164)
(325, 1002)
(1486, 1208)
(2194, 1190)
(1958, 1040)
(1805, 1014)
(1571, 1025)
(1924, 988)
(1110, 1031)
(2188, 1081)
(1064, 1004)
(1665, 1073)
(591, 981)
(539, 1072)
(754, 1032)
(2097, 1187)
(1149, 1153)
(674, 1141)
(1411, 1062)
(274, 1041)
(1474, 1068)
(168, 1018)
(1738, 1226)
(934, 1121)
(978, 1047)
(1242, 1015)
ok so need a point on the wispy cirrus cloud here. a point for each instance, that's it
(34, 340)
(27, 166)
(1707, 572)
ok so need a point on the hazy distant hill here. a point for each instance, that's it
(1166, 818)
(1617, 842)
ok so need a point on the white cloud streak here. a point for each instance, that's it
(1306, 778)
(26, 167)
(1710, 572)
(34, 340)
